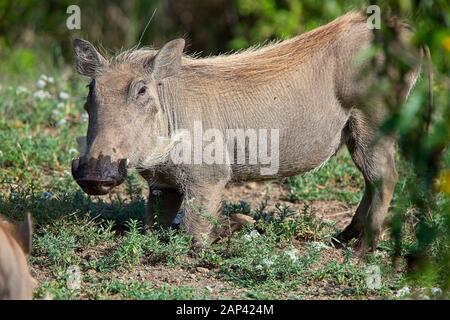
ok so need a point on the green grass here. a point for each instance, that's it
(287, 254)
(338, 179)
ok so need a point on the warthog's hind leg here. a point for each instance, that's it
(376, 162)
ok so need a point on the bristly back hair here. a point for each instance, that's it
(264, 60)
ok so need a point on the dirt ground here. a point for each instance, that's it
(254, 193)
(201, 278)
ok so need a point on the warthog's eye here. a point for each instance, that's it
(142, 90)
(139, 94)
(138, 91)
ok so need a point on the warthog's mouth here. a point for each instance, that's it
(99, 176)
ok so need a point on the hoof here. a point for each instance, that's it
(196, 249)
(343, 238)
(352, 231)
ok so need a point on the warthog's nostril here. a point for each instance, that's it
(97, 176)
(108, 184)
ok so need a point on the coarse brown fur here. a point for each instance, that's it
(312, 88)
(16, 282)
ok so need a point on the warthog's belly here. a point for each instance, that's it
(300, 148)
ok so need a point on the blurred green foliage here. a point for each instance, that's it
(423, 126)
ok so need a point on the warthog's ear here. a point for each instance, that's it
(168, 60)
(24, 234)
(88, 60)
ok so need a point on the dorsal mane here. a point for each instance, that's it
(271, 58)
(263, 62)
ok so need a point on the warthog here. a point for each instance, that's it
(313, 88)
(15, 243)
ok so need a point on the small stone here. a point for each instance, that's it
(242, 219)
(202, 270)
(251, 185)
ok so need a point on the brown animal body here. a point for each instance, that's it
(16, 282)
(309, 88)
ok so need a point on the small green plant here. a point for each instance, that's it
(130, 250)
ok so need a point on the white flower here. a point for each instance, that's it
(61, 122)
(292, 254)
(21, 89)
(60, 105)
(84, 117)
(63, 95)
(436, 291)
(268, 263)
(43, 77)
(318, 245)
(41, 83)
(380, 254)
(56, 113)
(252, 235)
(73, 150)
(403, 292)
(50, 80)
(41, 95)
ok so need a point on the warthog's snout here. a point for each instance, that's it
(99, 176)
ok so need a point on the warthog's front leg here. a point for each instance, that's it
(162, 206)
(201, 209)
